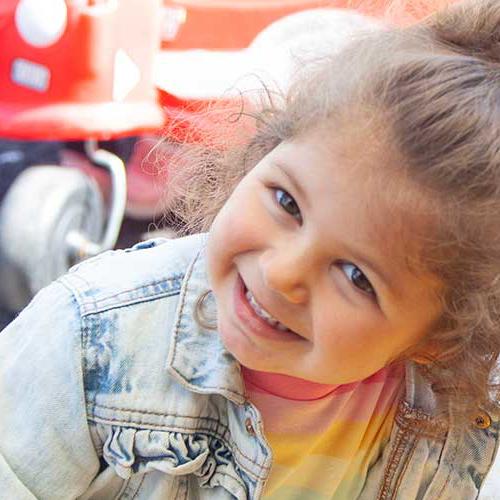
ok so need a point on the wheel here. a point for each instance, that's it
(41, 207)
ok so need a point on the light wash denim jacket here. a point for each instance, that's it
(110, 390)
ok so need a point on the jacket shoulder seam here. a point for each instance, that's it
(92, 305)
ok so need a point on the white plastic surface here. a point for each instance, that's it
(272, 57)
(41, 22)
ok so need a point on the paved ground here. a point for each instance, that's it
(5, 318)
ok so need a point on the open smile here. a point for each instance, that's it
(256, 319)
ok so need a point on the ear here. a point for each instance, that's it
(421, 359)
(427, 354)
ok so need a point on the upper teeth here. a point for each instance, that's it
(264, 314)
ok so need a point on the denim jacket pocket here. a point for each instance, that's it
(428, 459)
(410, 459)
(467, 457)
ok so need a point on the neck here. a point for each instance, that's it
(285, 386)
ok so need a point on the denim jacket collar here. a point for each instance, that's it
(198, 359)
(419, 393)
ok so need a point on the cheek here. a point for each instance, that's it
(241, 223)
(235, 231)
(350, 335)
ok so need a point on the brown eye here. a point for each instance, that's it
(287, 203)
(358, 279)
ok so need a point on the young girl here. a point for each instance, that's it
(351, 269)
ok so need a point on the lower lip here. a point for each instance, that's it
(253, 322)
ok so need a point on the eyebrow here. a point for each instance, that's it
(365, 262)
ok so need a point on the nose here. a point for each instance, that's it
(287, 271)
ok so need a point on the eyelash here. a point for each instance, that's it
(279, 198)
(371, 292)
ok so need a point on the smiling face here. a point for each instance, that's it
(308, 267)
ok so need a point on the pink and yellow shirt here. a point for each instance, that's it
(324, 438)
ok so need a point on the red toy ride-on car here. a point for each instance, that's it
(71, 71)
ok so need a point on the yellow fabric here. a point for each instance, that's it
(322, 449)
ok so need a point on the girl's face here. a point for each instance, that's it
(308, 271)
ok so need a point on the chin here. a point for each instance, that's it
(244, 351)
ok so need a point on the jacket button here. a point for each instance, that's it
(482, 420)
(249, 427)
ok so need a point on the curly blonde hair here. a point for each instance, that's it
(433, 88)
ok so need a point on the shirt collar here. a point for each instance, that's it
(199, 361)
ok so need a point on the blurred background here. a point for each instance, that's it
(97, 95)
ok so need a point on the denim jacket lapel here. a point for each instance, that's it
(197, 358)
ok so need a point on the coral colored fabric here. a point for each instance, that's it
(324, 438)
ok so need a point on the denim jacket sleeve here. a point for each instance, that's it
(46, 451)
